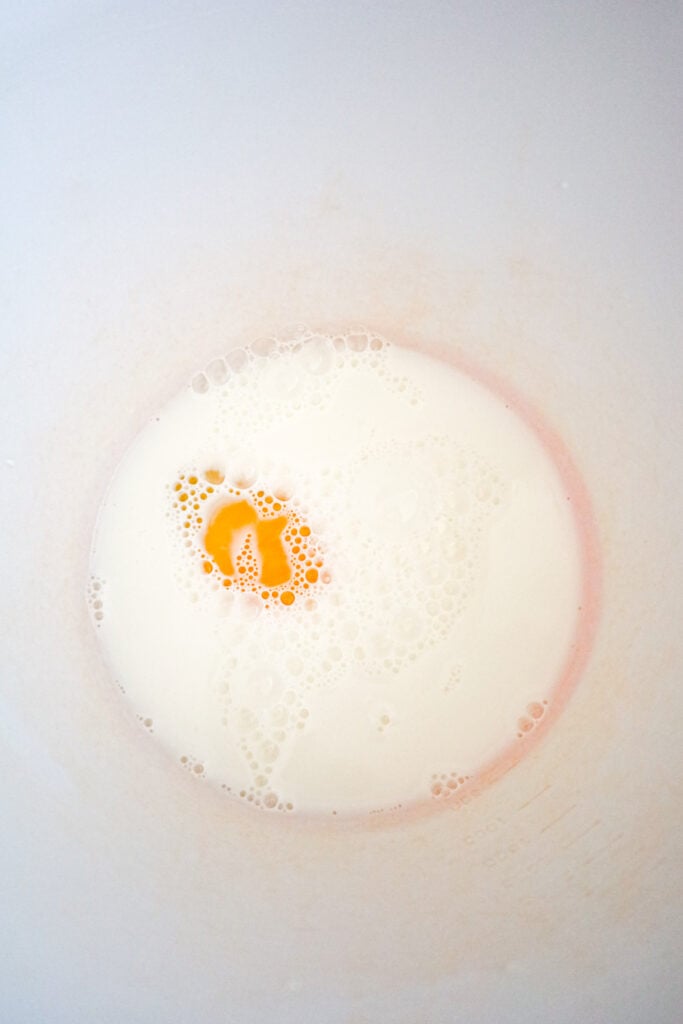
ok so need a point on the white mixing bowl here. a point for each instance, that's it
(499, 178)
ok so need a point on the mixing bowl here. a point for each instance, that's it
(497, 181)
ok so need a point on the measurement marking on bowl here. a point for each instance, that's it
(559, 818)
(581, 835)
(535, 797)
(605, 848)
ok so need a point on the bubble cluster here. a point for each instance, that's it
(528, 722)
(192, 765)
(443, 786)
(278, 557)
(95, 596)
(297, 371)
(264, 717)
(392, 808)
(418, 580)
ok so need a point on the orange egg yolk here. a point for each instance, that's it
(227, 525)
(257, 542)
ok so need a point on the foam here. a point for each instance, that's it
(433, 575)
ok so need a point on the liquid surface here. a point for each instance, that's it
(337, 576)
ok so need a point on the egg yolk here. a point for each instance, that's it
(257, 542)
(233, 518)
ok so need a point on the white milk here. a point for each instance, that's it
(434, 629)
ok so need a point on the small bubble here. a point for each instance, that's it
(217, 371)
(237, 359)
(243, 476)
(270, 752)
(263, 347)
(279, 714)
(317, 356)
(357, 342)
(200, 384)
(283, 492)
